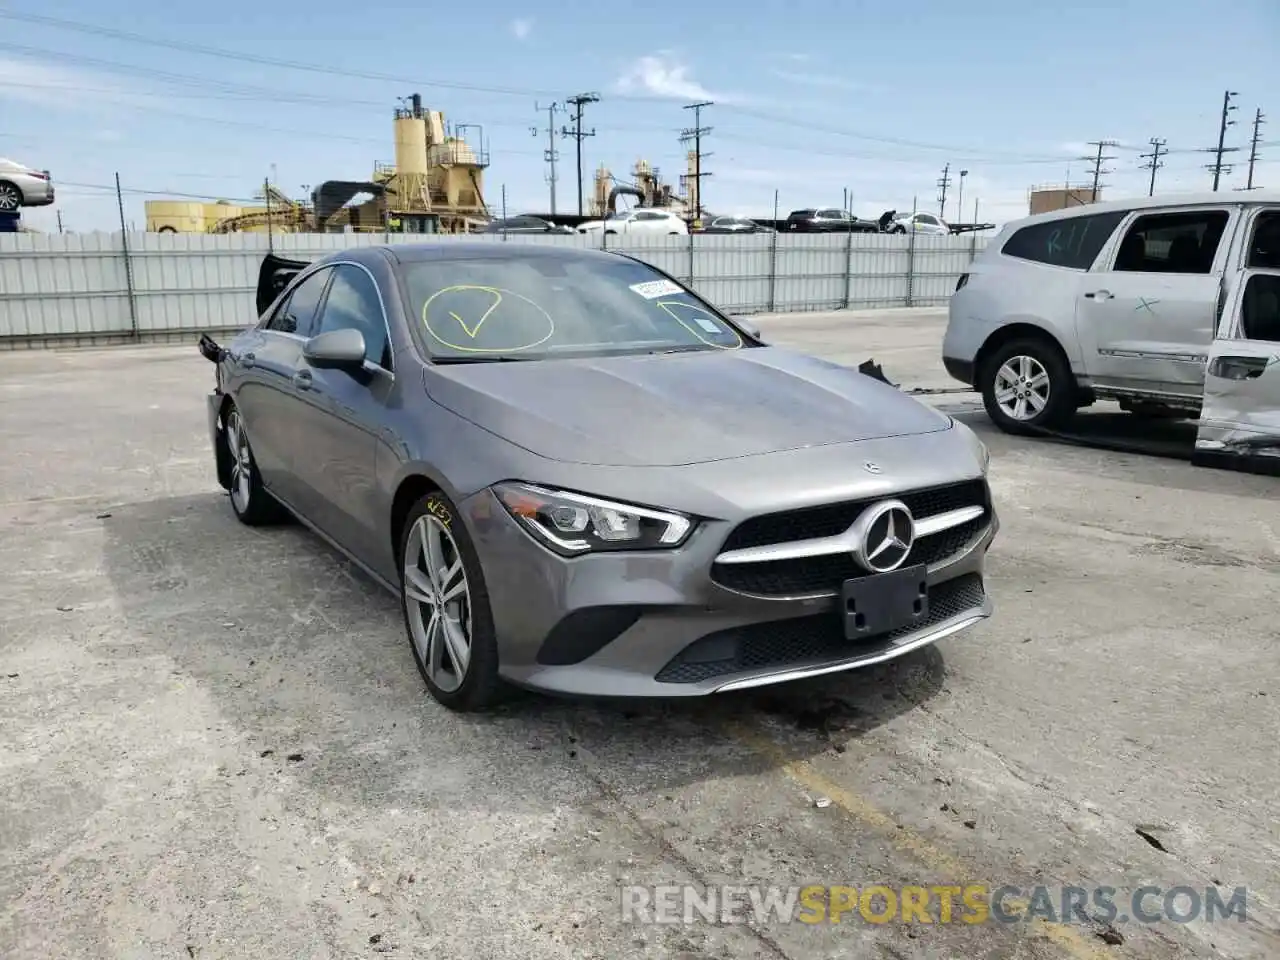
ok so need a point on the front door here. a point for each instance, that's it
(342, 417)
(1241, 413)
(1145, 315)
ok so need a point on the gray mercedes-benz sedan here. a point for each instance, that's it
(581, 477)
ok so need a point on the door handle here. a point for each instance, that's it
(302, 380)
(1099, 295)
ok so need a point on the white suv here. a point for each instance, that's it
(1119, 301)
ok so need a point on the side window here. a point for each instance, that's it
(1073, 242)
(831, 214)
(296, 313)
(353, 302)
(1264, 248)
(927, 219)
(1172, 242)
(650, 215)
(1260, 308)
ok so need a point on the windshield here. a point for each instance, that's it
(539, 306)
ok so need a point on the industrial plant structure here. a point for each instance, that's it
(648, 189)
(435, 185)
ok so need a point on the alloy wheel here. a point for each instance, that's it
(437, 600)
(10, 199)
(241, 462)
(1022, 388)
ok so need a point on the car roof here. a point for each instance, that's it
(1160, 201)
(476, 250)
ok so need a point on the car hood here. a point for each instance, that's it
(674, 409)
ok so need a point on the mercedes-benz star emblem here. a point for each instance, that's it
(884, 535)
(870, 466)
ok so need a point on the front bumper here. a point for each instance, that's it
(654, 624)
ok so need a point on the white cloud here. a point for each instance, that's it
(817, 80)
(521, 28)
(50, 85)
(661, 75)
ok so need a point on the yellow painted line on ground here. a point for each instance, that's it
(1073, 943)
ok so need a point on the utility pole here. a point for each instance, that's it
(551, 155)
(1097, 160)
(1153, 162)
(696, 133)
(943, 182)
(1259, 119)
(1218, 168)
(578, 102)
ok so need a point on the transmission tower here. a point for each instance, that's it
(578, 134)
(943, 182)
(1259, 119)
(550, 155)
(1097, 160)
(1218, 168)
(696, 133)
(1153, 161)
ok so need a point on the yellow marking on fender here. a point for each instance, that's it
(1073, 943)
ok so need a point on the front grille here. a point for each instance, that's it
(809, 575)
(808, 641)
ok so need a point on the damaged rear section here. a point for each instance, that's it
(1240, 419)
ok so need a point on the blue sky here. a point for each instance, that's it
(811, 97)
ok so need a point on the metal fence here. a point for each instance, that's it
(103, 288)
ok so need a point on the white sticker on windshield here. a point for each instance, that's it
(705, 322)
(656, 288)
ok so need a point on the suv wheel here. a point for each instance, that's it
(1027, 386)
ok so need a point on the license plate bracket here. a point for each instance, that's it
(884, 602)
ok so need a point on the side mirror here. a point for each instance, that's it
(746, 324)
(336, 348)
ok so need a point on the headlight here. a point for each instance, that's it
(572, 524)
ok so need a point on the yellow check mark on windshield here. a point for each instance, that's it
(471, 331)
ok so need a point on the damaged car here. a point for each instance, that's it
(1162, 304)
(579, 476)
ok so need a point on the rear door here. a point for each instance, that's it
(341, 416)
(1146, 313)
(1241, 412)
(266, 368)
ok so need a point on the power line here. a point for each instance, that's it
(1153, 162)
(1218, 168)
(1259, 118)
(579, 101)
(696, 133)
(943, 182)
(1097, 160)
(551, 154)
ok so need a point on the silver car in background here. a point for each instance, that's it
(21, 186)
(580, 477)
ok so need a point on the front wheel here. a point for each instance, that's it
(1027, 386)
(446, 608)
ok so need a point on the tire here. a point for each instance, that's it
(1050, 383)
(474, 686)
(898, 230)
(10, 197)
(250, 501)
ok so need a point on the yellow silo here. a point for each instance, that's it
(179, 216)
(411, 144)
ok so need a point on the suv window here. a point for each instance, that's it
(1172, 242)
(832, 214)
(800, 214)
(1073, 242)
(296, 313)
(1260, 309)
(353, 302)
(1264, 249)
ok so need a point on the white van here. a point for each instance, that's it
(1169, 305)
